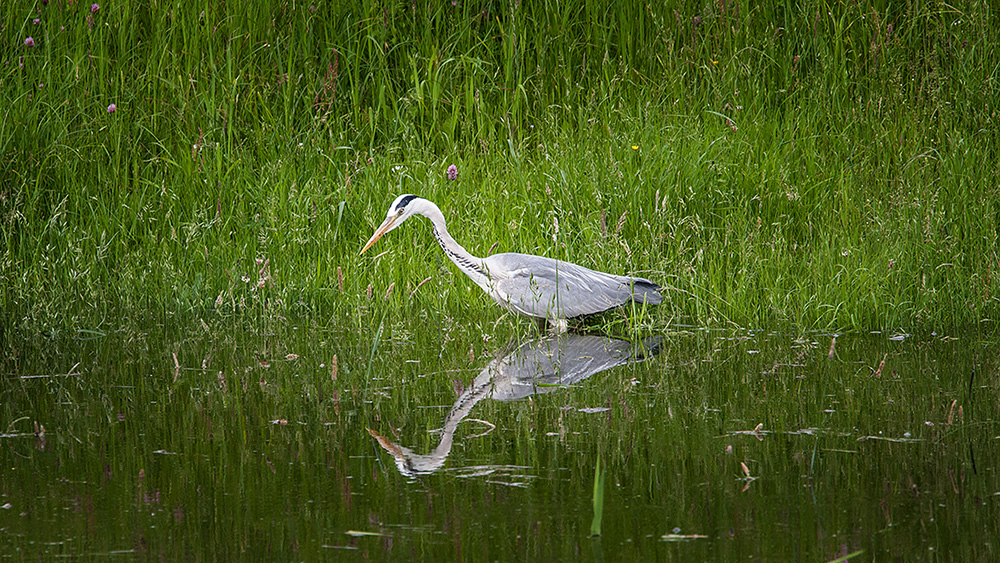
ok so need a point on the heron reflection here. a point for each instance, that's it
(536, 366)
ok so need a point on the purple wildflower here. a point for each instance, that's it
(36, 21)
(112, 108)
(29, 42)
(94, 7)
(452, 172)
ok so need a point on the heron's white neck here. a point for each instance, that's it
(469, 264)
(411, 463)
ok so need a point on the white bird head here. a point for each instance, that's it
(399, 211)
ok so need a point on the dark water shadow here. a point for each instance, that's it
(534, 367)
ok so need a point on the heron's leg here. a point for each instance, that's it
(558, 326)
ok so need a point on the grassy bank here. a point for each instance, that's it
(827, 165)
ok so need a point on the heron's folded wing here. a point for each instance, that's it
(544, 287)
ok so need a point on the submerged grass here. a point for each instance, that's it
(823, 165)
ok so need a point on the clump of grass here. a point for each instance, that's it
(819, 165)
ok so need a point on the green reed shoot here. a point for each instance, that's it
(595, 524)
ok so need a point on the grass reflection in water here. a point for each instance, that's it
(723, 445)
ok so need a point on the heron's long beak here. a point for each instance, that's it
(382, 229)
(386, 443)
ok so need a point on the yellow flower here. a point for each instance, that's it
(635, 147)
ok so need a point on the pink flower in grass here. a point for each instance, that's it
(29, 42)
(112, 108)
(93, 8)
(452, 172)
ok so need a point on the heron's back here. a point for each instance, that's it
(553, 289)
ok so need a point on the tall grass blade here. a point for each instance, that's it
(595, 524)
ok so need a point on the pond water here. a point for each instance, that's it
(301, 442)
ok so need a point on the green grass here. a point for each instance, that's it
(827, 165)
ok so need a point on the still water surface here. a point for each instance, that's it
(306, 443)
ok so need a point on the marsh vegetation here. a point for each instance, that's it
(820, 165)
(195, 363)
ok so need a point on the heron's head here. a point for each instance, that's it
(399, 211)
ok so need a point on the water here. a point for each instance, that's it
(300, 442)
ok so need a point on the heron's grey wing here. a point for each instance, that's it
(547, 288)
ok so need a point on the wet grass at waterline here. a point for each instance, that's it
(819, 166)
(724, 445)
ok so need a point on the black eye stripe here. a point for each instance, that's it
(405, 201)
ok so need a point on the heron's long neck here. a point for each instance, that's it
(471, 265)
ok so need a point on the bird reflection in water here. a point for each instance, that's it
(536, 366)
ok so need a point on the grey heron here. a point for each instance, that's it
(543, 288)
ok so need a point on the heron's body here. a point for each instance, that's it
(535, 286)
(542, 287)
